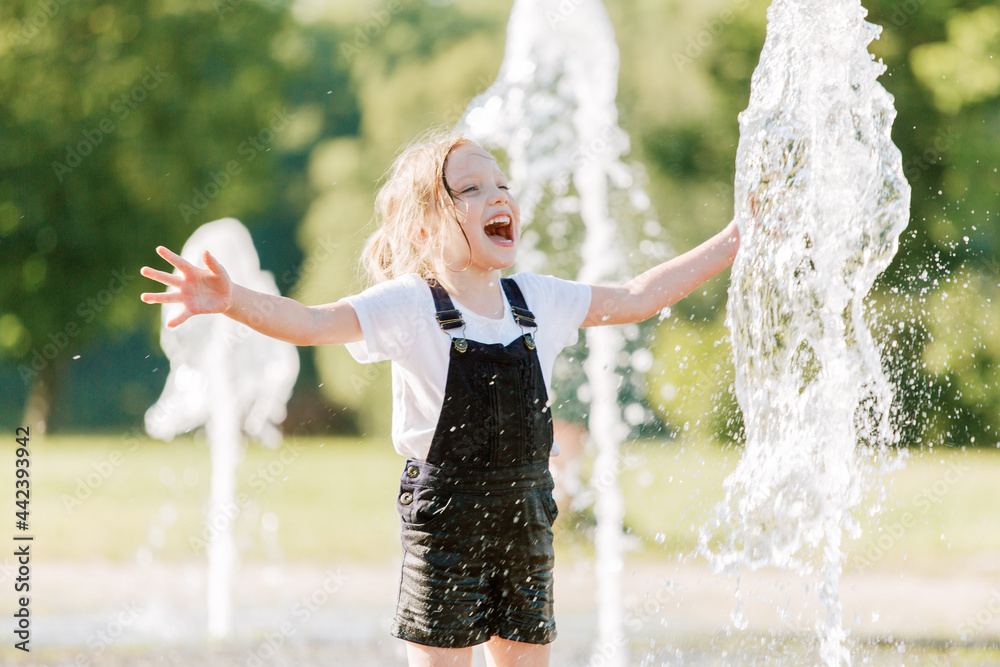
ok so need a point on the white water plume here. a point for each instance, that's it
(820, 203)
(552, 110)
(231, 380)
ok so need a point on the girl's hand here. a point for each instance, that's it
(199, 290)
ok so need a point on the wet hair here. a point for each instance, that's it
(412, 210)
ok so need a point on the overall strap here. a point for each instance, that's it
(448, 317)
(518, 306)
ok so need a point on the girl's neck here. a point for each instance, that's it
(479, 291)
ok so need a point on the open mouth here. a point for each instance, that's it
(500, 228)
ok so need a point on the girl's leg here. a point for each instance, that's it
(428, 656)
(505, 653)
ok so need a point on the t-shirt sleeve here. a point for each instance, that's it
(389, 314)
(562, 304)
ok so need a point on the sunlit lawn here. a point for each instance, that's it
(329, 499)
(942, 506)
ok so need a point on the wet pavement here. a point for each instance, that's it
(103, 613)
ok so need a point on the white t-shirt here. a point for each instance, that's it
(398, 322)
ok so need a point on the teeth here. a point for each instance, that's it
(498, 227)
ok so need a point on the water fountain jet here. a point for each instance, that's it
(552, 110)
(820, 203)
(232, 380)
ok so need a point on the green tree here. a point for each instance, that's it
(950, 76)
(942, 68)
(126, 125)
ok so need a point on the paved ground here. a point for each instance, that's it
(154, 614)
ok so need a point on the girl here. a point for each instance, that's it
(472, 354)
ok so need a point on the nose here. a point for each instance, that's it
(499, 196)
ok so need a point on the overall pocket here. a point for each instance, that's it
(420, 506)
(548, 504)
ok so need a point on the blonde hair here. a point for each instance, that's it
(411, 211)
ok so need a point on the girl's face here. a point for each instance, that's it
(488, 213)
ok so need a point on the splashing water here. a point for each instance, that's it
(552, 109)
(231, 379)
(820, 203)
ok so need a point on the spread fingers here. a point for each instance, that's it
(175, 260)
(161, 297)
(168, 279)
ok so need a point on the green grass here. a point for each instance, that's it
(334, 499)
(943, 506)
(670, 492)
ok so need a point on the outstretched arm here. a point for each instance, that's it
(663, 285)
(210, 290)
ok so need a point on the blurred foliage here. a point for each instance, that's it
(348, 83)
(691, 383)
(962, 69)
(125, 126)
(942, 61)
(948, 261)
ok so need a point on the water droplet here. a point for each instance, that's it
(191, 477)
(269, 522)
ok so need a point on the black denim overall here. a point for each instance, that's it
(477, 514)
